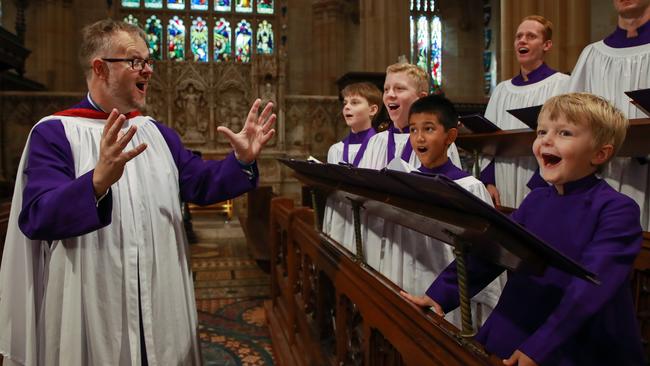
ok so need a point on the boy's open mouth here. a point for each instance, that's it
(523, 50)
(550, 159)
(393, 106)
(422, 149)
(349, 115)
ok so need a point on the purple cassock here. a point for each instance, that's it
(58, 205)
(619, 39)
(558, 319)
(448, 169)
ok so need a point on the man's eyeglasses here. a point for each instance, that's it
(136, 63)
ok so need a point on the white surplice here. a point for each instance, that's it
(512, 174)
(75, 302)
(609, 72)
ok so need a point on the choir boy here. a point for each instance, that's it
(556, 318)
(415, 259)
(361, 103)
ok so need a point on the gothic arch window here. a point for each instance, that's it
(426, 39)
(204, 30)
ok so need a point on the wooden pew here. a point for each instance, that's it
(328, 309)
(255, 224)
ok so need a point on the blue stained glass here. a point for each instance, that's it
(153, 29)
(436, 53)
(222, 5)
(244, 6)
(132, 20)
(176, 39)
(265, 6)
(199, 40)
(265, 38)
(222, 41)
(199, 5)
(176, 4)
(131, 3)
(243, 40)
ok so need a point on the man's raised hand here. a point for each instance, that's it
(257, 131)
(112, 158)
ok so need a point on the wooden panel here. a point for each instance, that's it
(328, 309)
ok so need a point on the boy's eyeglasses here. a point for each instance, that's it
(136, 63)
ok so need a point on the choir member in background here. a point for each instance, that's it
(609, 68)
(510, 179)
(95, 269)
(556, 318)
(361, 103)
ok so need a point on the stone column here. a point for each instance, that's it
(571, 31)
(328, 45)
(385, 33)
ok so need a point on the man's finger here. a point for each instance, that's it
(226, 131)
(265, 113)
(266, 137)
(110, 120)
(269, 123)
(111, 136)
(123, 140)
(128, 155)
(254, 109)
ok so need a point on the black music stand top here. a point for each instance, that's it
(641, 99)
(477, 123)
(499, 239)
(527, 115)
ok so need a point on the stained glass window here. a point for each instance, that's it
(436, 53)
(154, 31)
(222, 5)
(265, 6)
(199, 5)
(199, 40)
(422, 39)
(265, 38)
(176, 39)
(131, 3)
(153, 4)
(243, 40)
(176, 4)
(132, 20)
(222, 40)
(233, 39)
(426, 40)
(244, 6)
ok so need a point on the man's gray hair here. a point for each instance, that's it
(97, 37)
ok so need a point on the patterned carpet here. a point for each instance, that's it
(230, 289)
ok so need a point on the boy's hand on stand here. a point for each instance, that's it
(424, 301)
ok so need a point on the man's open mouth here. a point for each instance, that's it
(140, 86)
